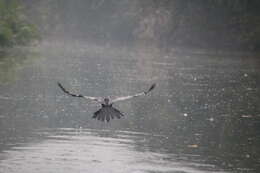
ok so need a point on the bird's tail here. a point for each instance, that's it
(107, 113)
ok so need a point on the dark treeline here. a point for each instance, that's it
(15, 27)
(216, 24)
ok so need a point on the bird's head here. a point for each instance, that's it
(106, 100)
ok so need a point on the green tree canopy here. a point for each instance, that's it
(15, 29)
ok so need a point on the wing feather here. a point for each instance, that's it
(136, 95)
(79, 95)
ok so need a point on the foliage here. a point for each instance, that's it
(211, 24)
(206, 24)
(14, 26)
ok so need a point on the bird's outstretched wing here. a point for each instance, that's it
(99, 100)
(132, 96)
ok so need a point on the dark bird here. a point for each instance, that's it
(107, 110)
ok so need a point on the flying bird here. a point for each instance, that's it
(107, 111)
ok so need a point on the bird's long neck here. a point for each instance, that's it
(106, 105)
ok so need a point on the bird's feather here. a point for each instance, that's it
(79, 95)
(132, 96)
(107, 113)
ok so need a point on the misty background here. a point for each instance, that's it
(214, 24)
(203, 55)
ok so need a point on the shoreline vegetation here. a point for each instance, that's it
(15, 28)
(216, 26)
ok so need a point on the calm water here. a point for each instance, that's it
(71, 150)
(204, 115)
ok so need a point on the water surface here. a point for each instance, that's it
(86, 150)
(204, 115)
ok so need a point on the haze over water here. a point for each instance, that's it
(202, 117)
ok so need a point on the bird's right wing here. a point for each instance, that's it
(132, 96)
(97, 99)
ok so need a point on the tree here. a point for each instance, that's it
(14, 27)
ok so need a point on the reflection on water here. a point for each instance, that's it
(205, 110)
(95, 151)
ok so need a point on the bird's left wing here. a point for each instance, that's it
(97, 99)
(132, 96)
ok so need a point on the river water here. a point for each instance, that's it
(203, 116)
(70, 150)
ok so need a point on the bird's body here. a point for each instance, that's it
(107, 111)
